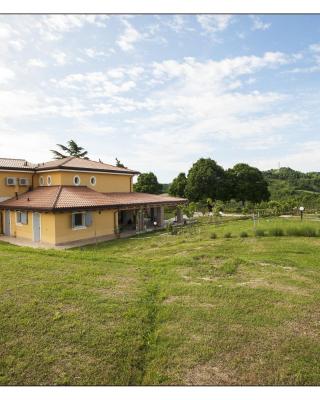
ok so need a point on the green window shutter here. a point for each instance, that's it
(72, 220)
(88, 218)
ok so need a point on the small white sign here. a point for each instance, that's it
(301, 208)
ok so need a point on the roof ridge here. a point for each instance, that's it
(69, 158)
(57, 197)
(16, 159)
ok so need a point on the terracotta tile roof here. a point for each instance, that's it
(54, 198)
(82, 164)
(14, 163)
(40, 198)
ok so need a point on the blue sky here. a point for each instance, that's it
(160, 91)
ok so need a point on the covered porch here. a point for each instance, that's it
(144, 218)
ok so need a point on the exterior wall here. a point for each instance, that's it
(20, 230)
(104, 182)
(9, 191)
(103, 224)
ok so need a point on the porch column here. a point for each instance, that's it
(160, 216)
(139, 223)
(179, 216)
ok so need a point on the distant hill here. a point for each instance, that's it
(285, 182)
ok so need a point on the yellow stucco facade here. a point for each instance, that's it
(9, 191)
(103, 224)
(104, 183)
(56, 228)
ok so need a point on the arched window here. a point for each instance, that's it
(41, 181)
(76, 180)
(93, 181)
(49, 180)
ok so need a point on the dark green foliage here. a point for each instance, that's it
(205, 180)
(227, 235)
(148, 183)
(307, 231)
(259, 232)
(178, 185)
(119, 163)
(213, 235)
(248, 184)
(243, 234)
(72, 149)
(276, 232)
(172, 229)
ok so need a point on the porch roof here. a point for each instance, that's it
(59, 198)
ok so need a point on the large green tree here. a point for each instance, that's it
(205, 180)
(249, 184)
(148, 183)
(178, 185)
(72, 149)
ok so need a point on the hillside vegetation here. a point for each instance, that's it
(165, 309)
(284, 183)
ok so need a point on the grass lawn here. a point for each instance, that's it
(159, 309)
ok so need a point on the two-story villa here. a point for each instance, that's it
(71, 200)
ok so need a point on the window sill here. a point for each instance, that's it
(77, 228)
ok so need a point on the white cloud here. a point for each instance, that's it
(34, 62)
(303, 156)
(52, 27)
(60, 58)
(129, 37)
(212, 24)
(94, 53)
(258, 24)
(6, 74)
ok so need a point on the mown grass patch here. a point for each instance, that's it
(165, 309)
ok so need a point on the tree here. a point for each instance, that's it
(72, 149)
(249, 184)
(148, 183)
(178, 185)
(205, 180)
(119, 164)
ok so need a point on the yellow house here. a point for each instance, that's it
(73, 200)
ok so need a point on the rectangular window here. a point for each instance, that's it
(81, 219)
(22, 217)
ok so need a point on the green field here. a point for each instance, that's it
(164, 309)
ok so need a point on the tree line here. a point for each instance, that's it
(208, 180)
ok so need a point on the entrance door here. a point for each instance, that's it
(7, 223)
(36, 227)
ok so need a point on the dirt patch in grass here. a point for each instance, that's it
(262, 283)
(209, 374)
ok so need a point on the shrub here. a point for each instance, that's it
(230, 267)
(228, 235)
(172, 229)
(213, 235)
(259, 232)
(307, 231)
(276, 232)
(243, 234)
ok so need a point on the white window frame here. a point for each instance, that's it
(41, 181)
(95, 181)
(74, 180)
(83, 226)
(19, 213)
(49, 180)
